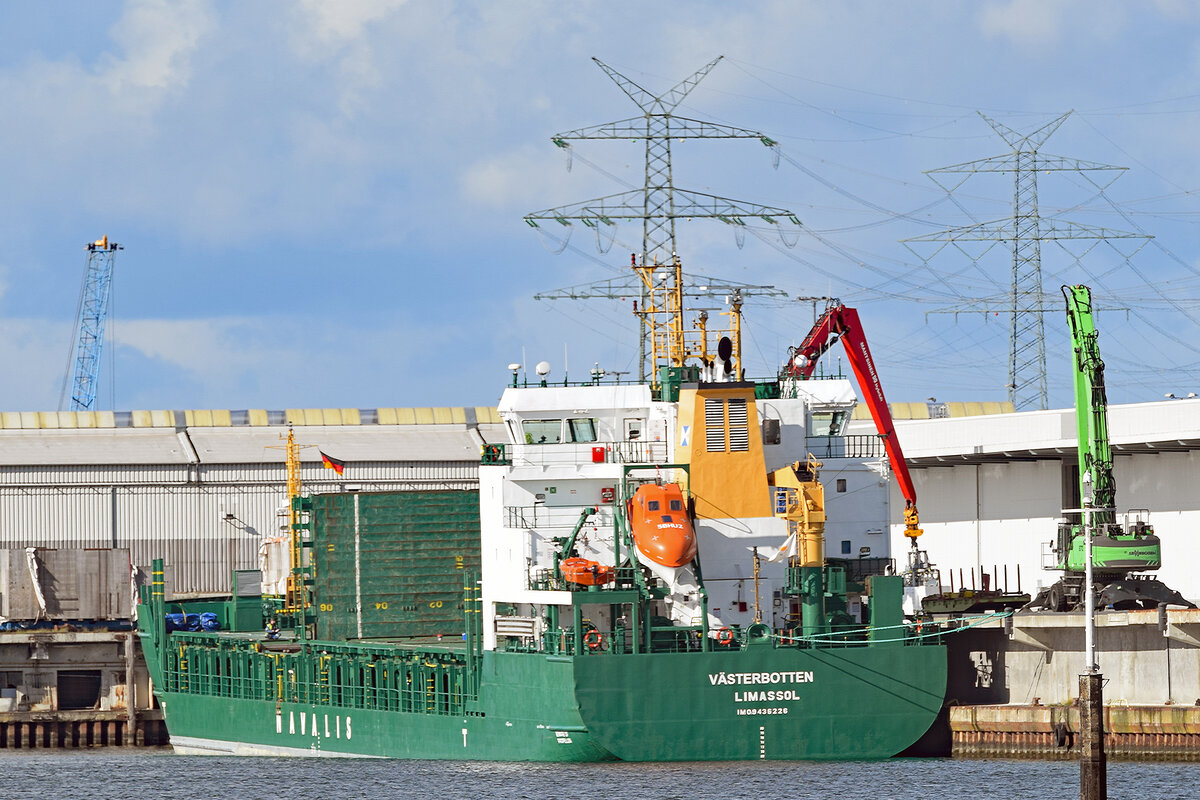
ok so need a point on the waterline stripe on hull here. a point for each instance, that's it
(193, 746)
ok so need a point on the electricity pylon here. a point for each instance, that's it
(1026, 229)
(658, 203)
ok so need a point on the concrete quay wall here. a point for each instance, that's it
(1167, 733)
(1014, 685)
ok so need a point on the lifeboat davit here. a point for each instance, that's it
(661, 528)
(585, 573)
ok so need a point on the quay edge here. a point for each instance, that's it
(1013, 685)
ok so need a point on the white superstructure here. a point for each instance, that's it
(567, 450)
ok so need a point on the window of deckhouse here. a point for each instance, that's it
(542, 431)
(582, 430)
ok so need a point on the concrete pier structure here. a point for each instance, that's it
(1014, 689)
(63, 688)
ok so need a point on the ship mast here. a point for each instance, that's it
(672, 343)
(296, 599)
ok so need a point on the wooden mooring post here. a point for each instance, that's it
(1093, 767)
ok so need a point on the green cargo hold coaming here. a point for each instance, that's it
(393, 564)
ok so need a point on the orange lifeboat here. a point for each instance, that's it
(585, 573)
(661, 528)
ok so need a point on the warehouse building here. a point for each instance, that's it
(993, 489)
(204, 490)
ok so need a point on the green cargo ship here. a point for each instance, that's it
(534, 620)
(603, 595)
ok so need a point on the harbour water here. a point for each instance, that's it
(163, 776)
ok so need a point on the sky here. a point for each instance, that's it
(322, 203)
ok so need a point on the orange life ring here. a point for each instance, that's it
(593, 639)
(724, 636)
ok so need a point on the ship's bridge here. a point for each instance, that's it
(550, 425)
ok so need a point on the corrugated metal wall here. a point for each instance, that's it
(204, 489)
(202, 530)
(439, 472)
(93, 474)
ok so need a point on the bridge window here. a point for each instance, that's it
(542, 431)
(827, 423)
(582, 430)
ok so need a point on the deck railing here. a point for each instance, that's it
(352, 677)
(858, 445)
(629, 452)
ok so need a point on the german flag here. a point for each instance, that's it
(332, 463)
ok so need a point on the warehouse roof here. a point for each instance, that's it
(1135, 427)
(254, 417)
(241, 437)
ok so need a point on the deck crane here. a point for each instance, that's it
(92, 315)
(1120, 552)
(840, 322)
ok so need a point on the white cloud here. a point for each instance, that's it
(344, 21)
(1183, 10)
(158, 38)
(519, 178)
(1035, 23)
(341, 33)
(205, 347)
(34, 355)
(78, 111)
(1024, 21)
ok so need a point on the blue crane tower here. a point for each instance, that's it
(93, 313)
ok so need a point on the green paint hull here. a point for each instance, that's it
(757, 703)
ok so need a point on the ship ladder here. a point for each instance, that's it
(323, 693)
(183, 670)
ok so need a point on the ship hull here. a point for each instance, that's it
(760, 703)
(787, 704)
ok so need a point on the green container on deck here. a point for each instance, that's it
(393, 564)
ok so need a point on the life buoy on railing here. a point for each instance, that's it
(593, 639)
(724, 636)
